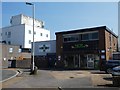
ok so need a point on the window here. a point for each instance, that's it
(46, 35)
(71, 38)
(5, 33)
(19, 50)
(90, 36)
(9, 34)
(9, 42)
(29, 41)
(93, 35)
(34, 33)
(85, 36)
(40, 34)
(10, 50)
(29, 31)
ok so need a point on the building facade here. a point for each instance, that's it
(45, 54)
(85, 48)
(12, 52)
(21, 31)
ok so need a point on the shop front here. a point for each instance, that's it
(76, 61)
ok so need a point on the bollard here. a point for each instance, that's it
(33, 72)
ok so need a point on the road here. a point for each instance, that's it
(5, 74)
(55, 79)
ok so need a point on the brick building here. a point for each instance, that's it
(14, 56)
(85, 48)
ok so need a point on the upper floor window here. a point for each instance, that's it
(5, 33)
(71, 38)
(34, 33)
(90, 36)
(41, 34)
(85, 36)
(93, 35)
(29, 41)
(29, 31)
(9, 42)
(9, 34)
(46, 35)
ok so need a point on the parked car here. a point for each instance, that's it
(116, 76)
(110, 64)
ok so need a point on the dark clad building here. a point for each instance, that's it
(85, 48)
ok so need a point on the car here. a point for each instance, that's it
(116, 76)
(110, 64)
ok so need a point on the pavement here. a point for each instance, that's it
(63, 79)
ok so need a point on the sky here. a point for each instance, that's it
(64, 16)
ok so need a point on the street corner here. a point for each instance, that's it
(8, 74)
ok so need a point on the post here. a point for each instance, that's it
(33, 37)
(34, 69)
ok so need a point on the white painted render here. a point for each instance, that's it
(21, 31)
(23, 19)
(37, 36)
(17, 34)
(51, 44)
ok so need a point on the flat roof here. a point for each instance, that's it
(87, 29)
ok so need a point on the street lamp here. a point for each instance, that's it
(33, 12)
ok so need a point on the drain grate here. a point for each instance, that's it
(71, 77)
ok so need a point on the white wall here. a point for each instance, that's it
(23, 19)
(17, 34)
(19, 29)
(37, 36)
(51, 44)
(15, 20)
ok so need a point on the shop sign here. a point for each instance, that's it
(80, 46)
(102, 51)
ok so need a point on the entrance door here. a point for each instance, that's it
(76, 61)
(83, 61)
(90, 61)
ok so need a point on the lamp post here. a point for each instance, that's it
(33, 12)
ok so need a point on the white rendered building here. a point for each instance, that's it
(21, 31)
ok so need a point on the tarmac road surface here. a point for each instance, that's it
(7, 74)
